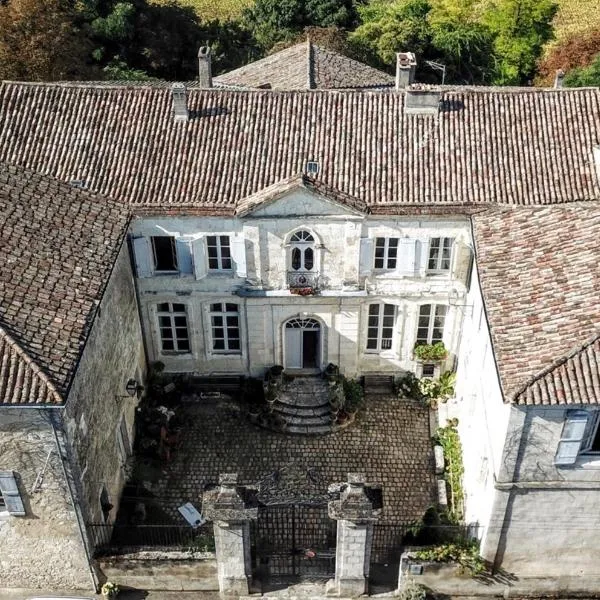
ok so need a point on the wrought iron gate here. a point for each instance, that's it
(294, 542)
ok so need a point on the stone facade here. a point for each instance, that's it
(520, 499)
(347, 285)
(43, 549)
(99, 415)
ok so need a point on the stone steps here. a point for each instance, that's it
(304, 405)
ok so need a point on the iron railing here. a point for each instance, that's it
(303, 279)
(111, 539)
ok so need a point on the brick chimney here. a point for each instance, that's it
(406, 65)
(558, 79)
(180, 109)
(204, 67)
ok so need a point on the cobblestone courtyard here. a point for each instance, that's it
(389, 443)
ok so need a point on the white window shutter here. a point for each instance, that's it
(367, 246)
(421, 257)
(463, 262)
(407, 257)
(238, 253)
(572, 436)
(11, 494)
(199, 258)
(144, 261)
(184, 254)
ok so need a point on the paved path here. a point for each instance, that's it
(390, 443)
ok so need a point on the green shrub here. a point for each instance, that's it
(464, 552)
(435, 351)
(354, 395)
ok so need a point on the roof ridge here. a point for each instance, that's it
(554, 365)
(31, 364)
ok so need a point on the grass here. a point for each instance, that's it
(210, 10)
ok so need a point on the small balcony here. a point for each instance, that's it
(303, 280)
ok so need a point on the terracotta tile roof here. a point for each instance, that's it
(485, 147)
(307, 66)
(540, 277)
(58, 247)
(21, 380)
(271, 193)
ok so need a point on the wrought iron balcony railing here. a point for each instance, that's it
(303, 279)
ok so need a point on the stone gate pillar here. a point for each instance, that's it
(225, 506)
(355, 517)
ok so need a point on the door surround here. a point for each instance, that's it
(296, 333)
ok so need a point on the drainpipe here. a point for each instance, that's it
(63, 453)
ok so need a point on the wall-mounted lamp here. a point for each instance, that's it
(133, 388)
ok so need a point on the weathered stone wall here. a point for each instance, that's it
(43, 549)
(341, 307)
(97, 399)
(165, 574)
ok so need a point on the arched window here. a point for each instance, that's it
(302, 251)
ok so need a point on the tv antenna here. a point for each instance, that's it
(438, 67)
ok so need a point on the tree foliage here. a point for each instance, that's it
(273, 21)
(40, 40)
(585, 76)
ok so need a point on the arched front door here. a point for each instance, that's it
(302, 344)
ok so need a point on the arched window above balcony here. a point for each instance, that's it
(302, 251)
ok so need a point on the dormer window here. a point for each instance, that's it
(165, 253)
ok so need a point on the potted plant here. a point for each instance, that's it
(331, 372)
(354, 396)
(109, 590)
(430, 352)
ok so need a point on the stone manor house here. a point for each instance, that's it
(223, 228)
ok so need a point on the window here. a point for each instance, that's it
(428, 370)
(440, 255)
(430, 328)
(225, 328)
(302, 251)
(105, 504)
(386, 253)
(312, 167)
(219, 253)
(580, 435)
(172, 323)
(10, 497)
(380, 328)
(165, 253)
(123, 440)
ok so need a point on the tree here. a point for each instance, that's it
(572, 53)
(585, 76)
(273, 21)
(520, 29)
(41, 41)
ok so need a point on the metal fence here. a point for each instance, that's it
(111, 539)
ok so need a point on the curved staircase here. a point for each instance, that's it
(303, 404)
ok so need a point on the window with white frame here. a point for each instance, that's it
(580, 435)
(440, 255)
(380, 327)
(10, 496)
(218, 248)
(164, 251)
(2, 502)
(302, 251)
(225, 328)
(386, 253)
(430, 327)
(173, 327)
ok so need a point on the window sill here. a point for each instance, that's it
(182, 354)
(224, 353)
(588, 461)
(382, 354)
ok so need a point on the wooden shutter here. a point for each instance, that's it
(144, 261)
(463, 263)
(407, 257)
(11, 494)
(184, 254)
(199, 257)
(572, 437)
(238, 253)
(366, 255)
(421, 257)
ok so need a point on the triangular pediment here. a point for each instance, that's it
(299, 196)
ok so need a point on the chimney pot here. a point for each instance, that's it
(558, 79)
(204, 67)
(180, 109)
(406, 65)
